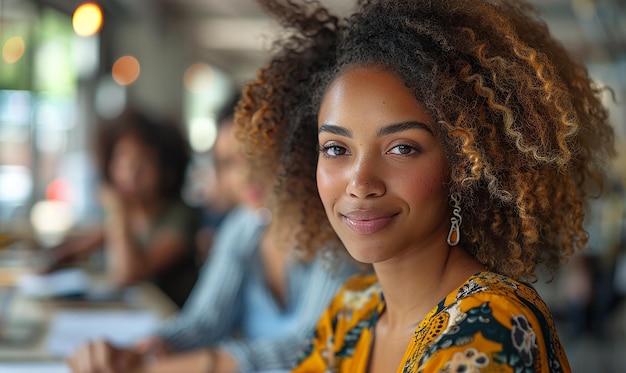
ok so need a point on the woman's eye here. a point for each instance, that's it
(403, 150)
(333, 150)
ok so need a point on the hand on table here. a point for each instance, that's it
(154, 346)
(102, 357)
(73, 249)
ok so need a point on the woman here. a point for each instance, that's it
(457, 143)
(148, 231)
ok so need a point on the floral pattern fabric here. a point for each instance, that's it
(491, 323)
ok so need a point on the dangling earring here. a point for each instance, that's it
(454, 236)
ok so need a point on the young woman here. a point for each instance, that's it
(147, 230)
(457, 143)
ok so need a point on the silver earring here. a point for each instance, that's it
(454, 236)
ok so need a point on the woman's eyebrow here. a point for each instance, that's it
(402, 126)
(386, 130)
(341, 131)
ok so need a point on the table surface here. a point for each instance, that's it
(25, 321)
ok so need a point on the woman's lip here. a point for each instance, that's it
(367, 226)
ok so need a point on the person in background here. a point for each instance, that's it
(148, 231)
(453, 145)
(255, 301)
(219, 197)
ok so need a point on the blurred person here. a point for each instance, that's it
(147, 230)
(255, 301)
(219, 195)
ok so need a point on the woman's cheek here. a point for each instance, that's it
(325, 183)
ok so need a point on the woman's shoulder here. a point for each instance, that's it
(239, 233)
(242, 220)
(501, 296)
(489, 316)
(499, 290)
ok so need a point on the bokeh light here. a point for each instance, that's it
(59, 190)
(87, 19)
(51, 220)
(198, 78)
(202, 134)
(125, 70)
(13, 49)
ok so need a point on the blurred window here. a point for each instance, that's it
(38, 108)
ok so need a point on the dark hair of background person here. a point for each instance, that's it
(522, 124)
(164, 137)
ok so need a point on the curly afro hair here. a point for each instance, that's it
(522, 124)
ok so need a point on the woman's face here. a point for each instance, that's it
(381, 172)
(235, 181)
(134, 169)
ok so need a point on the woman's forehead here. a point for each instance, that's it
(370, 93)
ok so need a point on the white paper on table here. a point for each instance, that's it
(33, 368)
(70, 329)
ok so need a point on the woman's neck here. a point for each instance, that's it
(413, 284)
(145, 208)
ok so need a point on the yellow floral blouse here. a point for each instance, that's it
(491, 323)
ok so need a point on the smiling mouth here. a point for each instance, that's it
(368, 226)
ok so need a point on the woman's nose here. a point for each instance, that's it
(365, 179)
